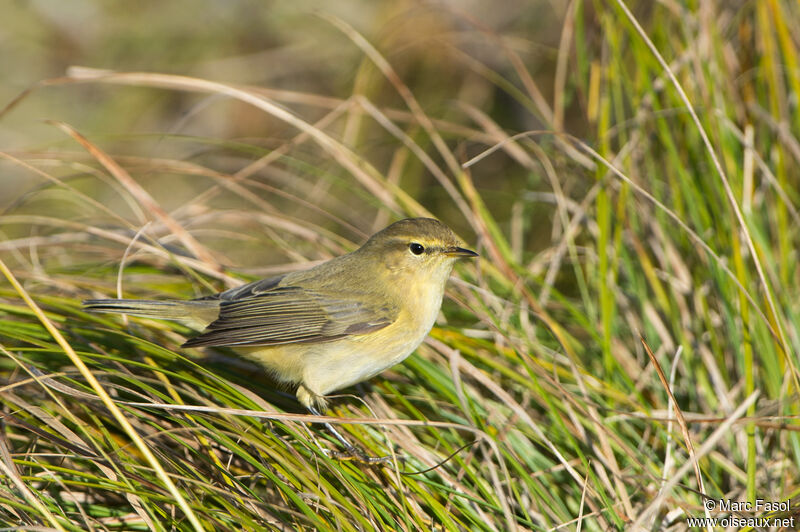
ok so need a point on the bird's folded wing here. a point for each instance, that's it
(289, 314)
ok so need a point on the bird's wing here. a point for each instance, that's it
(276, 315)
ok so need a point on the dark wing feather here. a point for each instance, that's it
(247, 290)
(274, 315)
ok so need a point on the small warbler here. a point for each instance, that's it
(333, 325)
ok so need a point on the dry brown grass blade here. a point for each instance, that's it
(142, 196)
(678, 415)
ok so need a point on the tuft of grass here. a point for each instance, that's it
(623, 352)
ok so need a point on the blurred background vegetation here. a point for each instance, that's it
(451, 58)
(614, 217)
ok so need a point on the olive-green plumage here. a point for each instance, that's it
(332, 325)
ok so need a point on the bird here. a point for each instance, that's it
(333, 325)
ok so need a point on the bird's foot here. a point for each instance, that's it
(355, 454)
(350, 452)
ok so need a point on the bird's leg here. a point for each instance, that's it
(351, 452)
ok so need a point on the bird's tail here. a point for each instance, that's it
(197, 313)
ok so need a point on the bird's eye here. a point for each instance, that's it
(416, 249)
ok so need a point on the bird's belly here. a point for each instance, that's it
(329, 366)
(357, 358)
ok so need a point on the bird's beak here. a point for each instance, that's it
(459, 252)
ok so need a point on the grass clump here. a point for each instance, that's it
(623, 352)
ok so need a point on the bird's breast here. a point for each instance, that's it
(357, 358)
